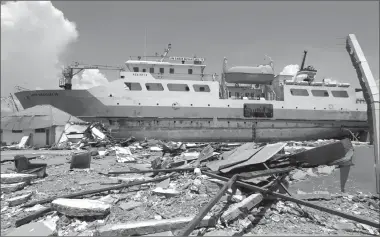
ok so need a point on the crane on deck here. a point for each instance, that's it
(68, 72)
(371, 96)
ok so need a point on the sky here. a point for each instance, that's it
(38, 39)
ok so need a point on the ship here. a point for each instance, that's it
(171, 98)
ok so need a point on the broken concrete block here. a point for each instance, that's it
(299, 175)
(33, 229)
(126, 206)
(326, 169)
(197, 172)
(155, 149)
(151, 226)
(9, 188)
(124, 155)
(166, 192)
(242, 207)
(16, 178)
(164, 184)
(19, 199)
(80, 207)
(108, 199)
(129, 179)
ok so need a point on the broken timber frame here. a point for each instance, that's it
(295, 200)
(371, 96)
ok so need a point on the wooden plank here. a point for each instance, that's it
(295, 200)
(190, 227)
(32, 216)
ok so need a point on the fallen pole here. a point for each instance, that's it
(190, 227)
(32, 216)
(155, 171)
(305, 203)
(82, 193)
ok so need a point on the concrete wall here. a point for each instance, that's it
(37, 139)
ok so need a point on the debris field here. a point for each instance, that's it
(104, 187)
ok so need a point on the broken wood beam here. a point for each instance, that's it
(154, 170)
(190, 227)
(295, 200)
(99, 190)
(32, 216)
(242, 207)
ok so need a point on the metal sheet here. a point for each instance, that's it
(324, 154)
(234, 157)
(263, 155)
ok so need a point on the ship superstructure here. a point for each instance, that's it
(172, 98)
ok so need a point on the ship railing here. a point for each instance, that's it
(200, 77)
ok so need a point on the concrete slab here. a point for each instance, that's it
(33, 229)
(16, 178)
(166, 192)
(80, 207)
(244, 206)
(126, 206)
(9, 188)
(151, 226)
(19, 200)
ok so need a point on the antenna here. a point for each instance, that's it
(145, 45)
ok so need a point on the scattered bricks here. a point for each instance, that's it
(126, 206)
(16, 178)
(33, 229)
(243, 207)
(19, 199)
(9, 188)
(80, 207)
(151, 226)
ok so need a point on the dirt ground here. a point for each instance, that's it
(273, 217)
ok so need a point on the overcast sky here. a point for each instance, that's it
(38, 39)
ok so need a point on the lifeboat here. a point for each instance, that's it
(262, 74)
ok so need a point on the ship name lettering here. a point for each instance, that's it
(140, 74)
(45, 94)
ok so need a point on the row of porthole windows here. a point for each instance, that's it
(162, 70)
(315, 108)
(135, 86)
(319, 93)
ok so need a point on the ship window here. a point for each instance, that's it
(299, 92)
(190, 71)
(16, 131)
(39, 130)
(154, 87)
(237, 94)
(136, 69)
(133, 86)
(229, 94)
(171, 70)
(162, 70)
(144, 70)
(178, 87)
(343, 94)
(201, 88)
(320, 93)
(122, 76)
(151, 70)
(246, 94)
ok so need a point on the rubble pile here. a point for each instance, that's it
(109, 187)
